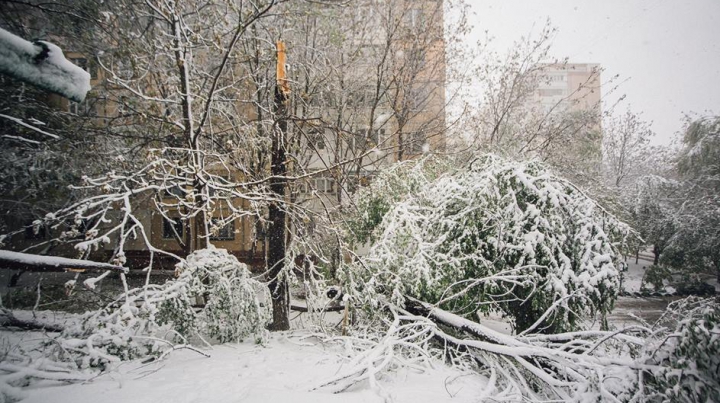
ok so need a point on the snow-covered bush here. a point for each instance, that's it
(500, 236)
(235, 305)
(685, 362)
(149, 320)
(655, 278)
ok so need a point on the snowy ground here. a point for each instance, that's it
(287, 369)
(290, 366)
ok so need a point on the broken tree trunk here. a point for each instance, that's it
(279, 290)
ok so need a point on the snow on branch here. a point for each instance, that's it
(43, 65)
(17, 260)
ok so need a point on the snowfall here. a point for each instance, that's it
(288, 366)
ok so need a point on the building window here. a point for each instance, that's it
(219, 186)
(415, 18)
(415, 142)
(85, 65)
(260, 232)
(418, 97)
(220, 231)
(325, 185)
(316, 138)
(320, 184)
(551, 92)
(366, 139)
(172, 228)
(78, 108)
(174, 191)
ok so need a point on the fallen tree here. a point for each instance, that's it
(635, 364)
(497, 237)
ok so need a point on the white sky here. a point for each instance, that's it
(668, 51)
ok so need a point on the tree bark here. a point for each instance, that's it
(279, 291)
(656, 252)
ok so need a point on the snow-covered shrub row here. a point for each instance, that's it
(151, 319)
(499, 236)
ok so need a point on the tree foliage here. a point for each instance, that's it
(695, 244)
(498, 236)
(688, 357)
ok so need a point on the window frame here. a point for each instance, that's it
(166, 234)
(229, 227)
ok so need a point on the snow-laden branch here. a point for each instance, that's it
(42, 64)
(29, 126)
(17, 260)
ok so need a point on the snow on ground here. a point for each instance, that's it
(285, 369)
(632, 278)
(288, 367)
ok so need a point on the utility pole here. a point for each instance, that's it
(279, 291)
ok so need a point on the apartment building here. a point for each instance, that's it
(570, 87)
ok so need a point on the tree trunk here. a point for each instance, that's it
(276, 214)
(656, 252)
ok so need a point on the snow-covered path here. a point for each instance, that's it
(285, 370)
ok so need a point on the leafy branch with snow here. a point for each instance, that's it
(500, 236)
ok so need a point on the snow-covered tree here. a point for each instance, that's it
(695, 245)
(683, 360)
(510, 120)
(195, 126)
(653, 211)
(626, 147)
(499, 236)
(46, 146)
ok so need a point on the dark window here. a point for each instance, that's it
(79, 108)
(172, 228)
(366, 139)
(176, 191)
(260, 233)
(415, 142)
(316, 138)
(80, 62)
(218, 187)
(83, 63)
(222, 232)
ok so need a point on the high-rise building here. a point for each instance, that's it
(570, 87)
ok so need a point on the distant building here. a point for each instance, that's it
(570, 87)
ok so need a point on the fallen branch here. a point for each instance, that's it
(7, 319)
(25, 261)
(299, 308)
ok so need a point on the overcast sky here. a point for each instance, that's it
(667, 50)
